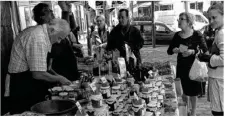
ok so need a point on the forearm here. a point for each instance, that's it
(218, 59)
(43, 75)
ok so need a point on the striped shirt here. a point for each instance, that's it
(30, 49)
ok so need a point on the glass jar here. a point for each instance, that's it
(105, 90)
(139, 107)
(96, 100)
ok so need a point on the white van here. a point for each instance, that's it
(170, 17)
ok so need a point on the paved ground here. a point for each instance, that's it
(150, 54)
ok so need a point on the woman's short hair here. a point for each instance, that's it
(218, 7)
(100, 16)
(59, 25)
(190, 18)
(38, 12)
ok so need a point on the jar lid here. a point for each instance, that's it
(105, 85)
(116, 86)
(63, 94)
(145, 90)
(137, 103)
(57, 89)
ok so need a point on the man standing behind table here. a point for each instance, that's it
(123, 34)
(28, 64)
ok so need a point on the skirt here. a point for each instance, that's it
(216, 94)
(190, 87)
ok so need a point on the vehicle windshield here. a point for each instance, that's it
(171, 28)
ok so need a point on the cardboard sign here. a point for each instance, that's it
(93, 87)
(79, 106)
(150, 72)
(122, 67)
(103, 79)
(135, 96)
(119, 76)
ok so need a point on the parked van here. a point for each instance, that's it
(170, 17)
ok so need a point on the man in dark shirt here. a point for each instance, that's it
(123, 34)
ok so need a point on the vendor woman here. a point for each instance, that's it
(28, 63)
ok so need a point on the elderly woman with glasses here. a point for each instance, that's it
(185, 44)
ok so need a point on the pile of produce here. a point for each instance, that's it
(164, 68)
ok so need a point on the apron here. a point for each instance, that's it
(25, 91)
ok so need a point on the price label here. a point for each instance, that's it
(118, 75)
(145, 77)
(103, 79)
(79, 106)
(114, 80)
(135, 96)
(93, 87)
(150, 73)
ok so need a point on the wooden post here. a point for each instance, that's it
(153, 25)
(89, 41)
(6, 37)
(186, 6)
(131, 7)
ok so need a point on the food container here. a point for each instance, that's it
(160, 98)
(112, 102)
(122, 84)
(152, 107)
(148, 84)
(116, 113)
(96, 100)
(105, 90)
(146, 95)
(56, 90)
(130, 81)
(116, 89)
(64, 95)
(154, 96)
(102, 111)
(139, 107)
(55, 107)
(158, 83)
(131, 93)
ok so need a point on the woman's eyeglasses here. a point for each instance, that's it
(181, 19)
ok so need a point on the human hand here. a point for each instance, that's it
(188, 53)
(204, 57)
(64, 81)
(176, 50)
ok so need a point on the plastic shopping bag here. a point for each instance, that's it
(199, 71)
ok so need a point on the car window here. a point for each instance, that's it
(198, 18)
(147, 28)
(160, 28)
(138, 27)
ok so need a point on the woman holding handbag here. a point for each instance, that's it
(185, 44)
(215, 60)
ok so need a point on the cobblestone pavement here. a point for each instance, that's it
(157, 54)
